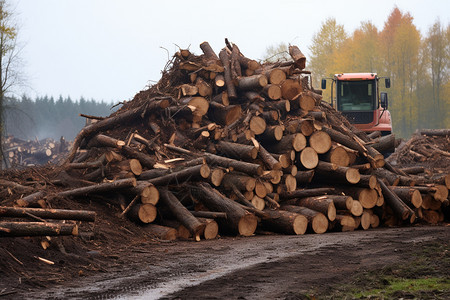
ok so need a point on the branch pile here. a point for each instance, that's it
(225, 144)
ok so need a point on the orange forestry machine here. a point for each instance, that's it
(358, 98)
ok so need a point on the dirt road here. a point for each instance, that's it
(270, 267)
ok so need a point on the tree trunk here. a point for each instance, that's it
(56, 214)
(191, 173)
(237, 221)
(249, 168)
(142, 213)
(16, 229)
(316, 220)
(164, 233)
(32, 200)
(182, 213)
(285, 221)
(99, 188)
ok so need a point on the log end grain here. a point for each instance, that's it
(247, 225)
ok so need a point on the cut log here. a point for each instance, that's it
(249, 168)
(298, 57)
(291, 89)
(237, 151)
(342, 174)
(304, 177)
(435, 132)
(240, 181)
(182, 214)
(211, 228)
(268, 159)
(295, 142)
(16, 229)
(237, 221)
(257, 125)
(272, 91)
(142, 213)
(338, 156)
(385, 143)
(321, 204)
(398, 206)
(409, 195)
(224, 115)
(56, 214)
(231, 90)
(309, 158)
(195, 172)
(164, 233)
(32, 200)
(341, 202)
(285, 221)
(316, 220)
(305, 193)
(208, 51)
(99, 188)
(252, 83)
(320, 141)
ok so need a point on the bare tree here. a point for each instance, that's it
(275, 53)
(9, 60)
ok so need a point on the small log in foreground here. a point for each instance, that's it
(17, 229)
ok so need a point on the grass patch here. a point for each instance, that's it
(423, 273)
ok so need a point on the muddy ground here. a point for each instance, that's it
(259, 267)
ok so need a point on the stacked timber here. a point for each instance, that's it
(223, 144)
(22, 153)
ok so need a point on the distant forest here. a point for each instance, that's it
(46, 117)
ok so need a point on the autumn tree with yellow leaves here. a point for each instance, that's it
(417, 65)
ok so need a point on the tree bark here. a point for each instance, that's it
(16, 229)
(285, 221)
(316, 220)
(237, 221)
(182, 214)
(56, 214)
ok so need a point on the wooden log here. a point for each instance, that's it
(439, 192)
(237, 151)
(224, 115)
(320, 141)
(271, 162)
(316, 220)
(272, 134)
(237, 221)
(366, 219)
(195, 172)
(204, 88)
(295, 142)
(344, 223)
(309, 158)
(252, 83)
(291, 89)
(142, 213)
(435, 132)
(273, 91)
(398, 206)
(216, 176)
(349, 175)
(304, 177)
(249, 168)
(182, 214)
(56, 214)
(240, 181)
(385, 143)
(209, 214)
(321, 204)
(298, 57)
(285, 222)
(341, 202)
(16, 229)
(164, 233)
(257, 125)
(369, 181)
(208, 51)
(32, 200)
(99, 188)
(305, 193)
(306, 101)
(231, 90)
(120, 118)
(409, 195)
(211, 228)
(413, 170)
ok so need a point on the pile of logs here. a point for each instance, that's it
(424, 146)
(225, 144)
(20, 153)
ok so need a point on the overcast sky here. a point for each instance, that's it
(111, 49)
